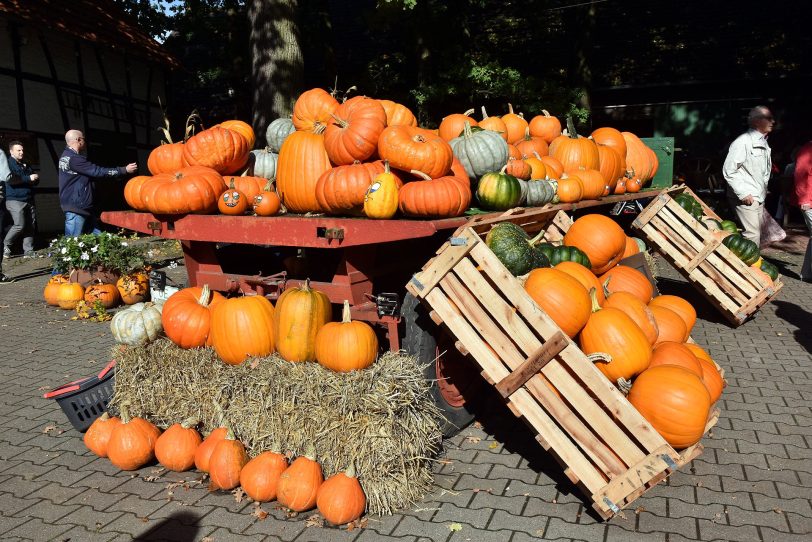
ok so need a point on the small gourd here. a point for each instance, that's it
(260, 476)
(132, 443)
(175, 448)
(232, 201)
(138, 324)
(346, 346)
(267, 202)
(98, 434)
(299, 484)
(381, 199)
(226, 462)
(341, 499)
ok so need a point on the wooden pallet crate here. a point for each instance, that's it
(603, 444)
(697, 252)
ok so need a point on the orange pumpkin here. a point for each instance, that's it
(637, 311)
(574, 151)
(133, 288)
(545, 126)
(453, 125)
(555, 169)
(242, 327)
(69, 294)
(105, 294)
(175, 448)
(340, 498)
(98, 434)
(300, 314)
(670, 325)
(612, 166)
(570, 190)
(233, 202)
(611, 332)
(442, 197)
(699, 352)
(530, 145)
(299, 484)
(132, 443)
(132, 191)
(680, 306)
(189, 190)
(302, 160)
(674, 401)
(519, 169)
(51, 291)
(346, 346)
(515, 124)
(537, 168)
(267, 202)
(204, 451)
(164, 158)
(601, 239)
(513, 152)
(712, 379)
(242, 128)
(591, 180)
(495, 124)
(341, 190)
(561, 296)
(260, 476)
(641, 161)
(610, 137)
(186, 316)
(225, 151)
(623, 278)
(397, 114)
(631, 248)
(353, 132)
(312, 110)
(583, 275)
(226, 462)
(671, 353)
(409, 148)
(249, 186)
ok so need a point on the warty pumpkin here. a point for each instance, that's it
(561, 296)
(675, 403)
(353, 131)
(518, 168)
(300, 314)
(600, 237)
(409, 148)
(226, 462)
(242, 327)
(680, 306)
(166, 158)
(637, 311)
(347, 345)
(132, 443)
(259, 477)
(302, 160)
(340, 498)
(672, 353)
(312, 110)
(623, 278)
(98, 434)
(175, 448)
(611, 331)
(299, 483)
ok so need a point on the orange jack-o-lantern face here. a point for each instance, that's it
(232, 202)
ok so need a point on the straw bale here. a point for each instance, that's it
(382, 418)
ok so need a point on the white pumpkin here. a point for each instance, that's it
(264, 163)
(138, 324)
(277, 132)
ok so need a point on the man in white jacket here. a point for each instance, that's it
(747, 171)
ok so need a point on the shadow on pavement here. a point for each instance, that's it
(177, 527)
(798, 317)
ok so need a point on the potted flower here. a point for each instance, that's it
(88, 257)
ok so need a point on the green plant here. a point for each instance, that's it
(88, 251)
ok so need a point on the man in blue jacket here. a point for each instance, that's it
(20, 201)
(76, 188)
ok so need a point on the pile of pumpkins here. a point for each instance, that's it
(611, 312)
(298, 328)
(60, 291)
(367, 157)
(132, 442)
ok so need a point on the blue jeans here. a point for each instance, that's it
(76, 224)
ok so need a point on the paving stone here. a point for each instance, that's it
(799, 524)
(713, 530)
(528, 522)
(771, 535)
(367, 535)
(413, 527)
(90, 518)
(21, 488)
(764, 487)
(775, 520)
(513, 503)
(81, 534)
(466, 481)
(476, 517)
(618, 534)
(799, 506)
(283, 529)
(47, 511)
(680, 509)
(383, 525)
(558, 528)
(136, 505)
(790, 491)
(36, 529)
(650, 523)
(11, 505)
(94, 499)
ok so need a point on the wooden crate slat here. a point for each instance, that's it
(586, 473)
(533, 365)
(595, 381)
(479, 320)
(638, 475)
(423, 281)
(702, 254)
(558, 376)
(651, 210)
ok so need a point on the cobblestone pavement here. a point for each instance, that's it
(492, 483)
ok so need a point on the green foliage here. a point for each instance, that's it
(88, 251)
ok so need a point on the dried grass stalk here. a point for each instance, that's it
(383, 418)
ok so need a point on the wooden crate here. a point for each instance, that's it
(604, 445)
(697, 252)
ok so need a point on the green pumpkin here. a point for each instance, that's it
(480, 152)
(562, 253)
(512, 247)
(729, 225)
(537, 193)
(498, 191)
(770, 269)
(690, 204)
(745, 249)
(540, 259)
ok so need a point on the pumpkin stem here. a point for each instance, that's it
(466, 131)
(510, 108)
(341, 122)
(345, 313)
(606, 291)
(350, 472)
(420, 174)
(310, 452)
(319, 128)
(503, 168)
(571, 129)
(306, 286)
(268, 186)
(105, 416)
(484, 113)
(625, 386)
(534, 241)
(599, 356)
(124, 412)
(593, 295)
(546, 114)
(205, 294)
(190, 422)
(527, 136)
(386, 166)
(469, 112)
(230, 434)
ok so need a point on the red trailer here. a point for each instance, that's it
(366, 262)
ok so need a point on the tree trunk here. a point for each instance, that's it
(277, 66)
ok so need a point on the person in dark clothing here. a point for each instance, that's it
(5, 177)
(20, 201)
(76, 186)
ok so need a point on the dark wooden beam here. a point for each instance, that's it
(14, 31)
(55, 81)
(80, 70)
(107, 87)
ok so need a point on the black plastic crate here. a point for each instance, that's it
(86, 399)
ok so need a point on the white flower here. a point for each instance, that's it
(94, 249)
(81, 244)
(52, 242)
(66, 259)
(85, 256)
(173, 265)
(124, 243)
(64, 250)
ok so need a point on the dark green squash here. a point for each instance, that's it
(770, 269)
(512, 247)
(745, 249)
(498, 191)
(690, 204)
(558, 254)
(729, 225)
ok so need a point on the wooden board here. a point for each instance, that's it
(603, 443)
(733, 287)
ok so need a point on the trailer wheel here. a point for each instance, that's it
(420, 339)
